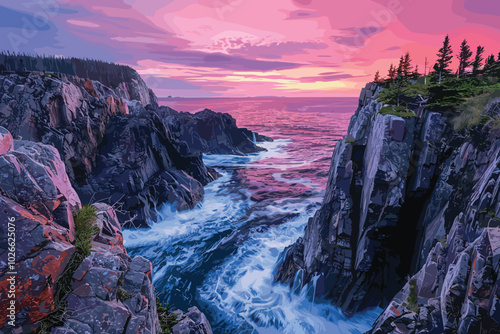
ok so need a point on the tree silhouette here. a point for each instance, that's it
(445, 54)
(415, 73)
(478, 60)
(464, 58)
(392, 72)
(406, 66)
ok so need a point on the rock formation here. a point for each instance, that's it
(192, 322)
(130, 154)
(36, 196)
(209, 132)
(407, 197)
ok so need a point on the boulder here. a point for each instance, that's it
(193, 322)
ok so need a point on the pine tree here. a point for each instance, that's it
(415, 73)
(478, 61)
(464, 58)
(392, 72)
(490, 60)
(401, 65)
(377, 77)
(445, 54)
(407, 67)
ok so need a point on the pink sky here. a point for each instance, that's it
(202, 48)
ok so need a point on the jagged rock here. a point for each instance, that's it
(139, 168)
(407, 198)
(108, 291)
(209, 132)
(109, 287)
(114, 146)
(193, 322)
(85, 120)
(350, 241)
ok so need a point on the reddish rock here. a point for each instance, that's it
(6, 141)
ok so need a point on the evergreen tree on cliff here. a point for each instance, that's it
(464, 58)
(478, 60)
(377, 77)
(415, 73)
(406, 65)
(400, 66)
(445, 54)
(392, 72)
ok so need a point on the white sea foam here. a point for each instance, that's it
(238, 294)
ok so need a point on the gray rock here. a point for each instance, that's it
(194, 322)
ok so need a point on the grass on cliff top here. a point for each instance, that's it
(396, 111)
(470, 113)
(85, 228)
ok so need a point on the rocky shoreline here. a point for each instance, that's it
(133, 155)
(67, 141)
(409, 223)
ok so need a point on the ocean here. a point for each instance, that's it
(221, 255)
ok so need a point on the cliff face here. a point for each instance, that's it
(51, 274)
(116, 150)
(406, 195)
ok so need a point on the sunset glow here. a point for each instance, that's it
(204, 48)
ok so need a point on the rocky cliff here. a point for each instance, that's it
(409, 222)
(126, 153)
(50, 279)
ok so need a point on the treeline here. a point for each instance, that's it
(108, 73)
(442, 87)
(467, 64)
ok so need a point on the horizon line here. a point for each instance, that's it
(252, 97)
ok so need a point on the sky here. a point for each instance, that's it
(241, 48)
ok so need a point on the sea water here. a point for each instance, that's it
(221, 256)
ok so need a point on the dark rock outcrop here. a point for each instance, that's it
(407, 197)
(209, 132)
(36, 197)
(128, 153)
(139, 168)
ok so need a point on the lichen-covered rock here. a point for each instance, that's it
(34, 186)
(6, 141)
(108, 291)
(112, 293)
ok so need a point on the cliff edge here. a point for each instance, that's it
(409, 222)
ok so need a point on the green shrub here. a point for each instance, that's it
(166, 317)
(397, 111)
(412, 300)
(85, 229)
